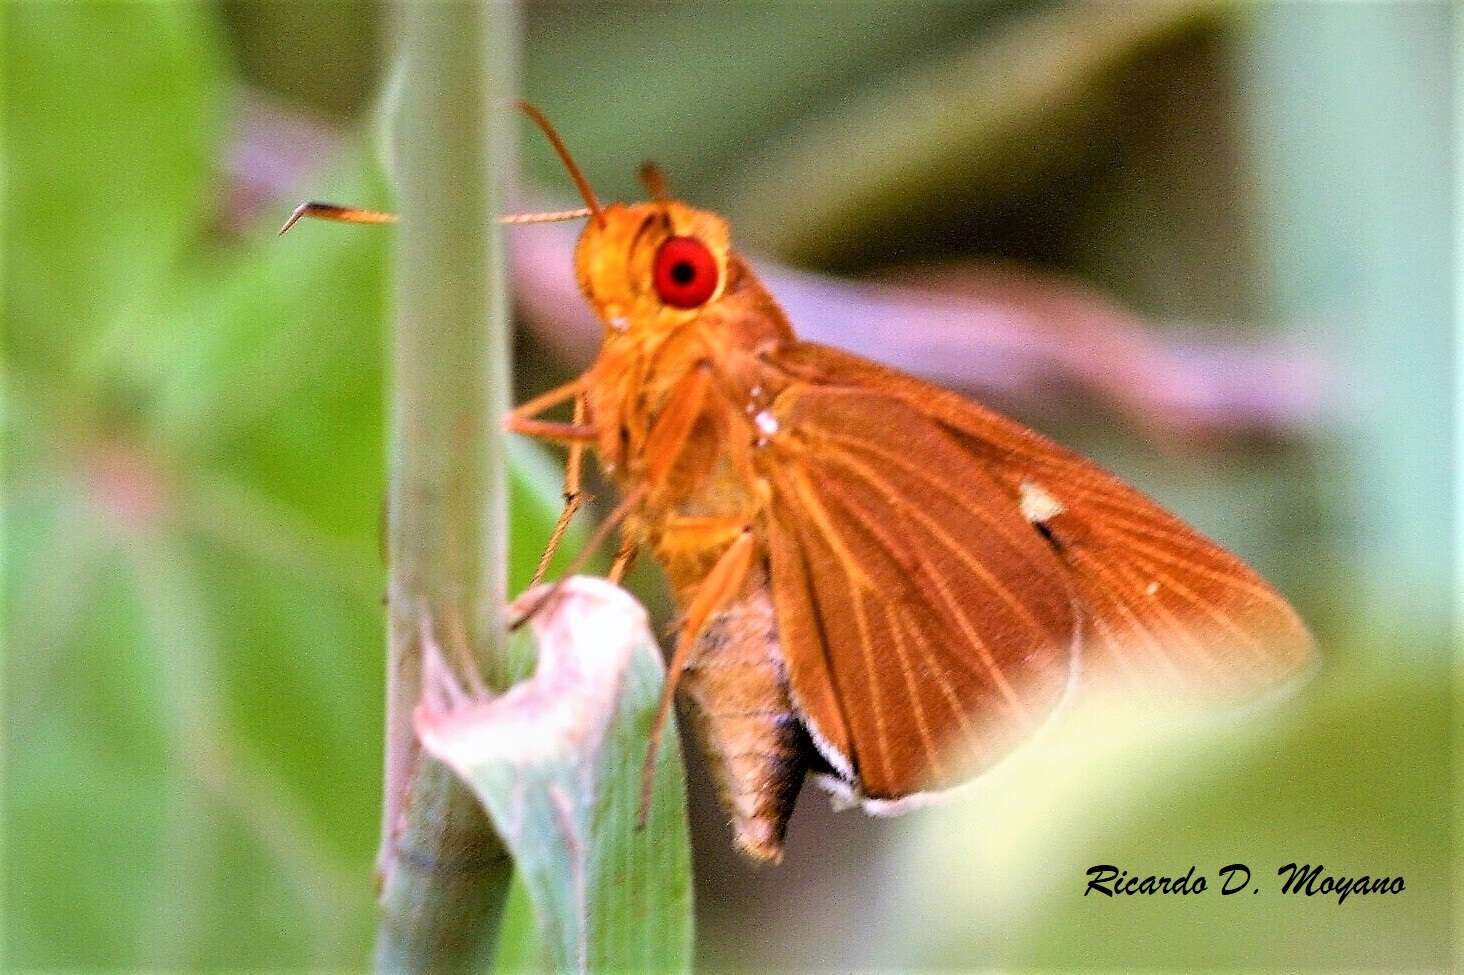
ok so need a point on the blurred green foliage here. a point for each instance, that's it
(193, 584)
(194, 468)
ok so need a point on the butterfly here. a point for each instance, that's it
(882, 584)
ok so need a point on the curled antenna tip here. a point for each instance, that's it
(334, 211)
(299, 212)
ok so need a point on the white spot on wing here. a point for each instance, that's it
(1037, 505)
(767, 425)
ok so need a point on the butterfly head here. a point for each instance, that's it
(647, 268)
(652, 266)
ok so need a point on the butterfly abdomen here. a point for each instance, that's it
(736, 691)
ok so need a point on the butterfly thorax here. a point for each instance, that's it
(638, 377)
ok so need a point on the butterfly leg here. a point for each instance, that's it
(603, 532)
(574, 497)
(667, 438)
(624, 559)
(721, 584)
(521, 419)
(576, 434)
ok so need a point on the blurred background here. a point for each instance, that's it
(1208, 245)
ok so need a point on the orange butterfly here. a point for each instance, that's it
(882, 583)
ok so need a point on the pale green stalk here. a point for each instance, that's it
(442, 869)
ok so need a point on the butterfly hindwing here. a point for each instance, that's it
(926, 627)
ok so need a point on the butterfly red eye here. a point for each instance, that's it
(685, 273)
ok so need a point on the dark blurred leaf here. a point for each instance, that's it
(698, 86)
(1006, 110)
(333, 57)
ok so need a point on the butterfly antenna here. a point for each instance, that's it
(334, 211)
(345, 214)
(575, 174)
(553, 216)
(654, 181)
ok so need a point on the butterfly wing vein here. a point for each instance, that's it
(929, 626)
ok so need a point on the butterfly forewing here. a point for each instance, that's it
(927, 628)
(1162, 607)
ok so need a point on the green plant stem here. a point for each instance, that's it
(442, 870)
